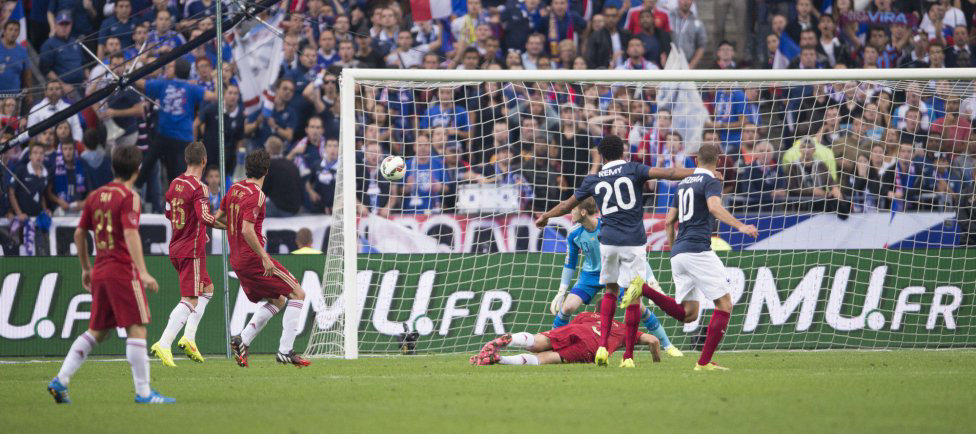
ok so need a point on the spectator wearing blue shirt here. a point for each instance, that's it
(125, 108)
(68, 183)
(61, 56)
(425, 179)
(730, 107)
(327, 54)
(164, 35)
(14, 74)
(120, 25)
(178, 101)
(444, 113)
(83, 14)
(279, 121)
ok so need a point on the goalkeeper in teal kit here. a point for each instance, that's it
(583, 240)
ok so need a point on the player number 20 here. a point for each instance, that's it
(686, 204)
(618, 185)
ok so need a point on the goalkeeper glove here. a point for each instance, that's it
(557, 302)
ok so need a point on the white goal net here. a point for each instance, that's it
(861, 186)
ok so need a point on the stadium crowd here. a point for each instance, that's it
(819, 147)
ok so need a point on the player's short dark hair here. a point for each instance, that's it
(194, 154)
(303, 237)
(588, 205)
(126, 161)
(182, 67)
(256, 164)
(708, 154)
(11, 23)
(611, 148)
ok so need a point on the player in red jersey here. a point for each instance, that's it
(116, 282)
(575, 342)
(262, 278)
(188, 210)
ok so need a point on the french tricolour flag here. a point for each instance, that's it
(424, 10)
(18, 14)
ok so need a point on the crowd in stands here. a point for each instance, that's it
(842, 147)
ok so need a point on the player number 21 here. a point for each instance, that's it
(686, 204)
(618, 186)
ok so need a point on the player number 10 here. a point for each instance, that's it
(618, 195)
(686, 204)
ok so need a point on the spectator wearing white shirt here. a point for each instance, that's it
(945, 16)
(533, 51)
(635, 57)
(51, 104)
(405, 55)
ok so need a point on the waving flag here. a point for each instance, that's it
(258, 55)
(425, 10)
(18, 15)
(787, 51)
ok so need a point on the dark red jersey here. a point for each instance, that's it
(188, 210)
(108, 211)
(243, 202)
(588, 329)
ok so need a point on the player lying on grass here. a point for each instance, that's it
(576, 342)
(188, 210)
(619, 187)
(583, 239)
(116, 282)
(697, 271)
(263, 279)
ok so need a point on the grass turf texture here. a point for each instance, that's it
(900, 391)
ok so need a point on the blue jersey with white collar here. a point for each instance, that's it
(695, 221)
(619, 192)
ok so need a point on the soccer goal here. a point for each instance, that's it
(860, 182)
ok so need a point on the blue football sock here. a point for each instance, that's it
(560, 320)
(654, 327)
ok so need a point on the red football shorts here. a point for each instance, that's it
(118, 299)
(193, 275)
(258, 287)
(574, 343)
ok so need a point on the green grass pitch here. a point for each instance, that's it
(843, 391)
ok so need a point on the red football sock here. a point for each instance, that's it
(632, 321)
(670, 307)
(716, 330)
(607, 308)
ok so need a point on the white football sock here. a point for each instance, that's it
(177, 318)
(521, 359)
(258, 321)
(76, 356)
(522, 340)
(190, 331)
(289, 325)
(135, 352)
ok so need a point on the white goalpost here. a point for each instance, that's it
(860, 181)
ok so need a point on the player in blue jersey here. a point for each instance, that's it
(698, 272)
(619, 189)
(583, 240)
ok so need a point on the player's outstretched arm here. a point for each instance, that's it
(81, 243)
(653, 345)
(221, 218)
(134, 243)
(715, 207)
(562, 209)
(202, 206)
(669, 221)
(674, 174)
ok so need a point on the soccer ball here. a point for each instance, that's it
(393, 168)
